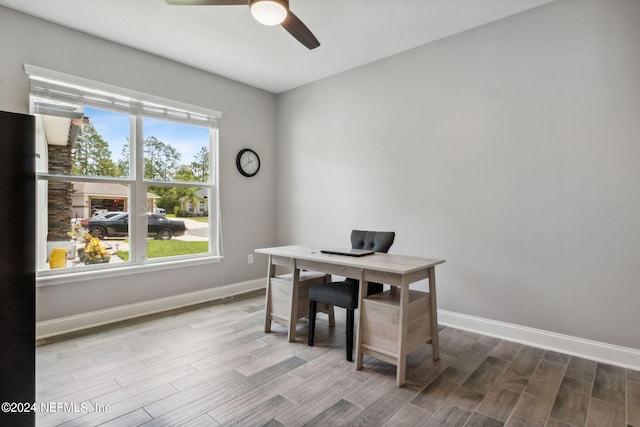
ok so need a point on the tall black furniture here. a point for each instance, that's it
(345, 293)
(17, 265)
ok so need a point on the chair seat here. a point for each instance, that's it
(342, 294)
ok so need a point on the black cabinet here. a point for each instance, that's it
(17, 264)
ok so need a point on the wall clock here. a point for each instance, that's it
(248, 162)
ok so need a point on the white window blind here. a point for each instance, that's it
(59, 94)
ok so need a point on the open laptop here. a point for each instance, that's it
(347, 252)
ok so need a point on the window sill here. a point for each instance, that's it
(83, 276)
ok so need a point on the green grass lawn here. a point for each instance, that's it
(167, 248)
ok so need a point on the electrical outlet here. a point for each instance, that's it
(250, 259)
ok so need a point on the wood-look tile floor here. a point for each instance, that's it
(213, 365)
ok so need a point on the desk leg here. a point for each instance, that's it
(401, 365)
(361, 296)
(435, 341)
(293, 311)
(330, 310)
(271, 272)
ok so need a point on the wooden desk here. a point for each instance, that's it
(390, 324)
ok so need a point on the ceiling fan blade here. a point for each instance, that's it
(208, 2)
(297, 29)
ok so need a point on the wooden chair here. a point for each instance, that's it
(345, 293)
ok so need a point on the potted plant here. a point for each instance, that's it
(94, 251)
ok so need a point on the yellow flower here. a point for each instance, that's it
(95, 250)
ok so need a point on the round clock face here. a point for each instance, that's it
(248, 162)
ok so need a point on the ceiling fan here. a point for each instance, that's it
(267, 12)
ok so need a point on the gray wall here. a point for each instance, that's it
(248, 208)
(512, 151)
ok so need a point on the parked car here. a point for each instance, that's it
(158, 226)
(85, 222)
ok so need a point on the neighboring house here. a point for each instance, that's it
(89, 197)
(196, 203)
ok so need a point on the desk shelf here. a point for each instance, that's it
(287, 296)
(380, 318)
(281, 288)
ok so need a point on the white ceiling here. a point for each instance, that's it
(225, 40)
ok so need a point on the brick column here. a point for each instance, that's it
(59, 205)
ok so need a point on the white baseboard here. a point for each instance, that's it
(78, 322)
(593, 350)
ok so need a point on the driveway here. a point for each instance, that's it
(196, 230)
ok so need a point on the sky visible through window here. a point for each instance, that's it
(115, 129)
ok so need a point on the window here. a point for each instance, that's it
(124, 179)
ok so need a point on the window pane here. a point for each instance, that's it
(175, 152)
(180, 225)
(102, 146)
(78, 234)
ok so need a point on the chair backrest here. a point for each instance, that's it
(379, 241)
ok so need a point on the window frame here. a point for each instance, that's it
(139, 104)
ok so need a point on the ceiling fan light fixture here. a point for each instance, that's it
(269, 12)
